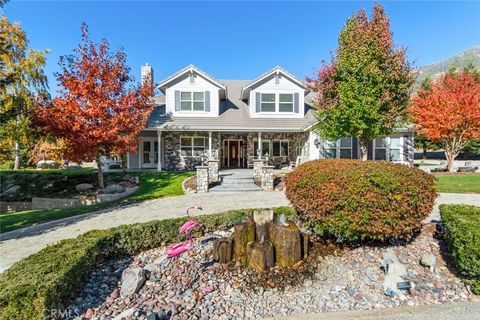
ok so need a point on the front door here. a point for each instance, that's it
(233, 153)
(149, 154)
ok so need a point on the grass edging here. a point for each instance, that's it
(462, 233)
(48, 279)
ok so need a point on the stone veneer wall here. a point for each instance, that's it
(174, 160)
(296, 140)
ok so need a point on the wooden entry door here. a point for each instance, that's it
(233, 153)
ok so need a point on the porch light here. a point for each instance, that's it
(316, 143)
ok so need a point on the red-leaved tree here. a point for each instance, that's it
(98, 110)
(448, 111)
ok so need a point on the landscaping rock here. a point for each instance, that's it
(113, 188)
(132, 281)
(428, 260)
(195, 287)
(83, 187)
(125, 314)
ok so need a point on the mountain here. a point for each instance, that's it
(471, 55)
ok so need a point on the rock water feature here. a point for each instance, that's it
(262, 243)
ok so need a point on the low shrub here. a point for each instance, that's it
(462, 233)
(48, 279)
(358, 200)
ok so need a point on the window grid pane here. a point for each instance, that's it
(198, 96)
(286, 97)
(268, 97)
(198, 106)
(186, 105)
(186, 95)
(285, 107)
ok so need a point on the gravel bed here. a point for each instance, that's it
(329, 280)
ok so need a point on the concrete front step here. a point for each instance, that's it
(231, 189)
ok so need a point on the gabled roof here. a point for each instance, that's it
(234, 116)
(275, 70)
(187, 70)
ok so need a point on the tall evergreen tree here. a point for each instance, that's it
(364, 90)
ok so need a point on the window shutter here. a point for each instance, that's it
(177, 100)
(354, 148)
(207, 101)
(257, 101)
(296, 103)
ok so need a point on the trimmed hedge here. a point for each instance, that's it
(358, 200)
(48, 279)
(462, 233)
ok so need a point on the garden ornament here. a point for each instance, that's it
(180, 248)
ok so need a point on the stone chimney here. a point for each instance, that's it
(147, 75)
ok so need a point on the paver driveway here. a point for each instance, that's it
(19, 244)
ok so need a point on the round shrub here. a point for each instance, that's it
(357, 200)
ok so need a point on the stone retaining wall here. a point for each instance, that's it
(15, 206)
(56, 203)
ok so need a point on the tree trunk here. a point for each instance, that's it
(424, 153)
(100, 173)
(363, 143)
(450, 157)
(16, 164)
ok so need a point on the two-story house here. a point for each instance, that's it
(236, 121)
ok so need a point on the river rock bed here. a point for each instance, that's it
(195, 287)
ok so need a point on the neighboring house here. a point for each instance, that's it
(236, 121)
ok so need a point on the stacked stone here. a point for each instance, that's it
(213, 170)
(267, 178)
(257, 169)
(202, 179)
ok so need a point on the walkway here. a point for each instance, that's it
(19, 244)
(448, 311)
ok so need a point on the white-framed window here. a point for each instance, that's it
(388, 148)
(265, 148)
(192, 100)
(267, 102)
(341, 148)
(280, 148)
(192, 146)
(285, 102)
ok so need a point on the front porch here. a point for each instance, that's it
(184, 150)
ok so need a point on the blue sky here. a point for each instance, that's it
(238, 40)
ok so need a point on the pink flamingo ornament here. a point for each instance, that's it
(185, 228)
(180, 248)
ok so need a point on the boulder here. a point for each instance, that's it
(83, 187)
(428, 260)
(390, 285)
(132, 280)
(113, 188)
(151, 268)
(10, 191)
(389, 257)
(47, 164)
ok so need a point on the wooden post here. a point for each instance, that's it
(287, 243)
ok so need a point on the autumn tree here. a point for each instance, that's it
(98, 109)
(448, 111)
(22, 82)
(364, 90)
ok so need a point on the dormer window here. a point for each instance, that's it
(286, 102)
(277, 102)
(268, 102)
(190, 100)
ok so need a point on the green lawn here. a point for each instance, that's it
(459, 183)
(152, 185)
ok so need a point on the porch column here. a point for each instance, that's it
(209, 145)
(159, 163)
(260, 151)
